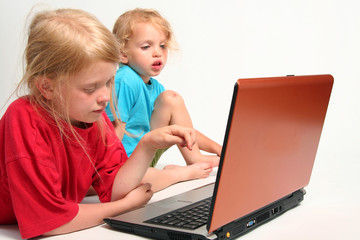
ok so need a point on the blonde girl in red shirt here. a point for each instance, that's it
(56, 141)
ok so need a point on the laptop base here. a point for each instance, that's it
(228, 231)
(253, 220)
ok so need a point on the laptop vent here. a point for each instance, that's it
(179, 236)
(262, 217)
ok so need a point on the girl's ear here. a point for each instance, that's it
(124, 59)
(45, 86)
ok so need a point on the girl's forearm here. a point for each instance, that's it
(90, 215)
(132, 172)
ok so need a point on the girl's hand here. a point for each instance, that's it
(139, 196)
(130, 175)
(167, 136)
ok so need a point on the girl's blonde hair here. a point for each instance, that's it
(124, 25)
(60, 44)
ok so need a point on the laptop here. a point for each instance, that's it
(271, 139)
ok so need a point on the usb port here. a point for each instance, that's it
(250, 223)
(275, 210)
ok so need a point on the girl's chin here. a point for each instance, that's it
(84, 124)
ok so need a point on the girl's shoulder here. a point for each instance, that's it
(23, 112)
(127, 79)
(19, 107)
(128, 75)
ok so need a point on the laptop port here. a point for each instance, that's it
(251, 223)
(275, 210)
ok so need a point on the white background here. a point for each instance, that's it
(220, 42)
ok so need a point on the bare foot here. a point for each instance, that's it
(193, 171)
(213, 159)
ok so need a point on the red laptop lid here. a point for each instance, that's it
(270, 144)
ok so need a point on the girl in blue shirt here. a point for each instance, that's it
(144, 104)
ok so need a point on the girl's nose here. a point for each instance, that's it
(104, 95)
(157, 53)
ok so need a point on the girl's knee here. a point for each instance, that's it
(169, 97)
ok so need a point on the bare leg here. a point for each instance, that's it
(170, 109)
(208, 145)
(171, 174)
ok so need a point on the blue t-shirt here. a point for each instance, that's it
(135, 101)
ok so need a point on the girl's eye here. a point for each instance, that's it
(89, 90)
(145, 47)
(163, 46)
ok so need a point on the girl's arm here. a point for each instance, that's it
(127, 194)
(90, 215)
(132, 172)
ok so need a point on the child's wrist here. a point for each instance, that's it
(145, 144)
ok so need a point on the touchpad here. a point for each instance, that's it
(171, 203)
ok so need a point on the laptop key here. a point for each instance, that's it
(190, 217)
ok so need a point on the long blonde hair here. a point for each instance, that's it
(60, 44)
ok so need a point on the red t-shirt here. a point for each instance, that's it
(44, 175)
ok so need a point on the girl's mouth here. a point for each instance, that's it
(157, 65)
(99, 111)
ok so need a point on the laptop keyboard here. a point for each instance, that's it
(189, 217)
